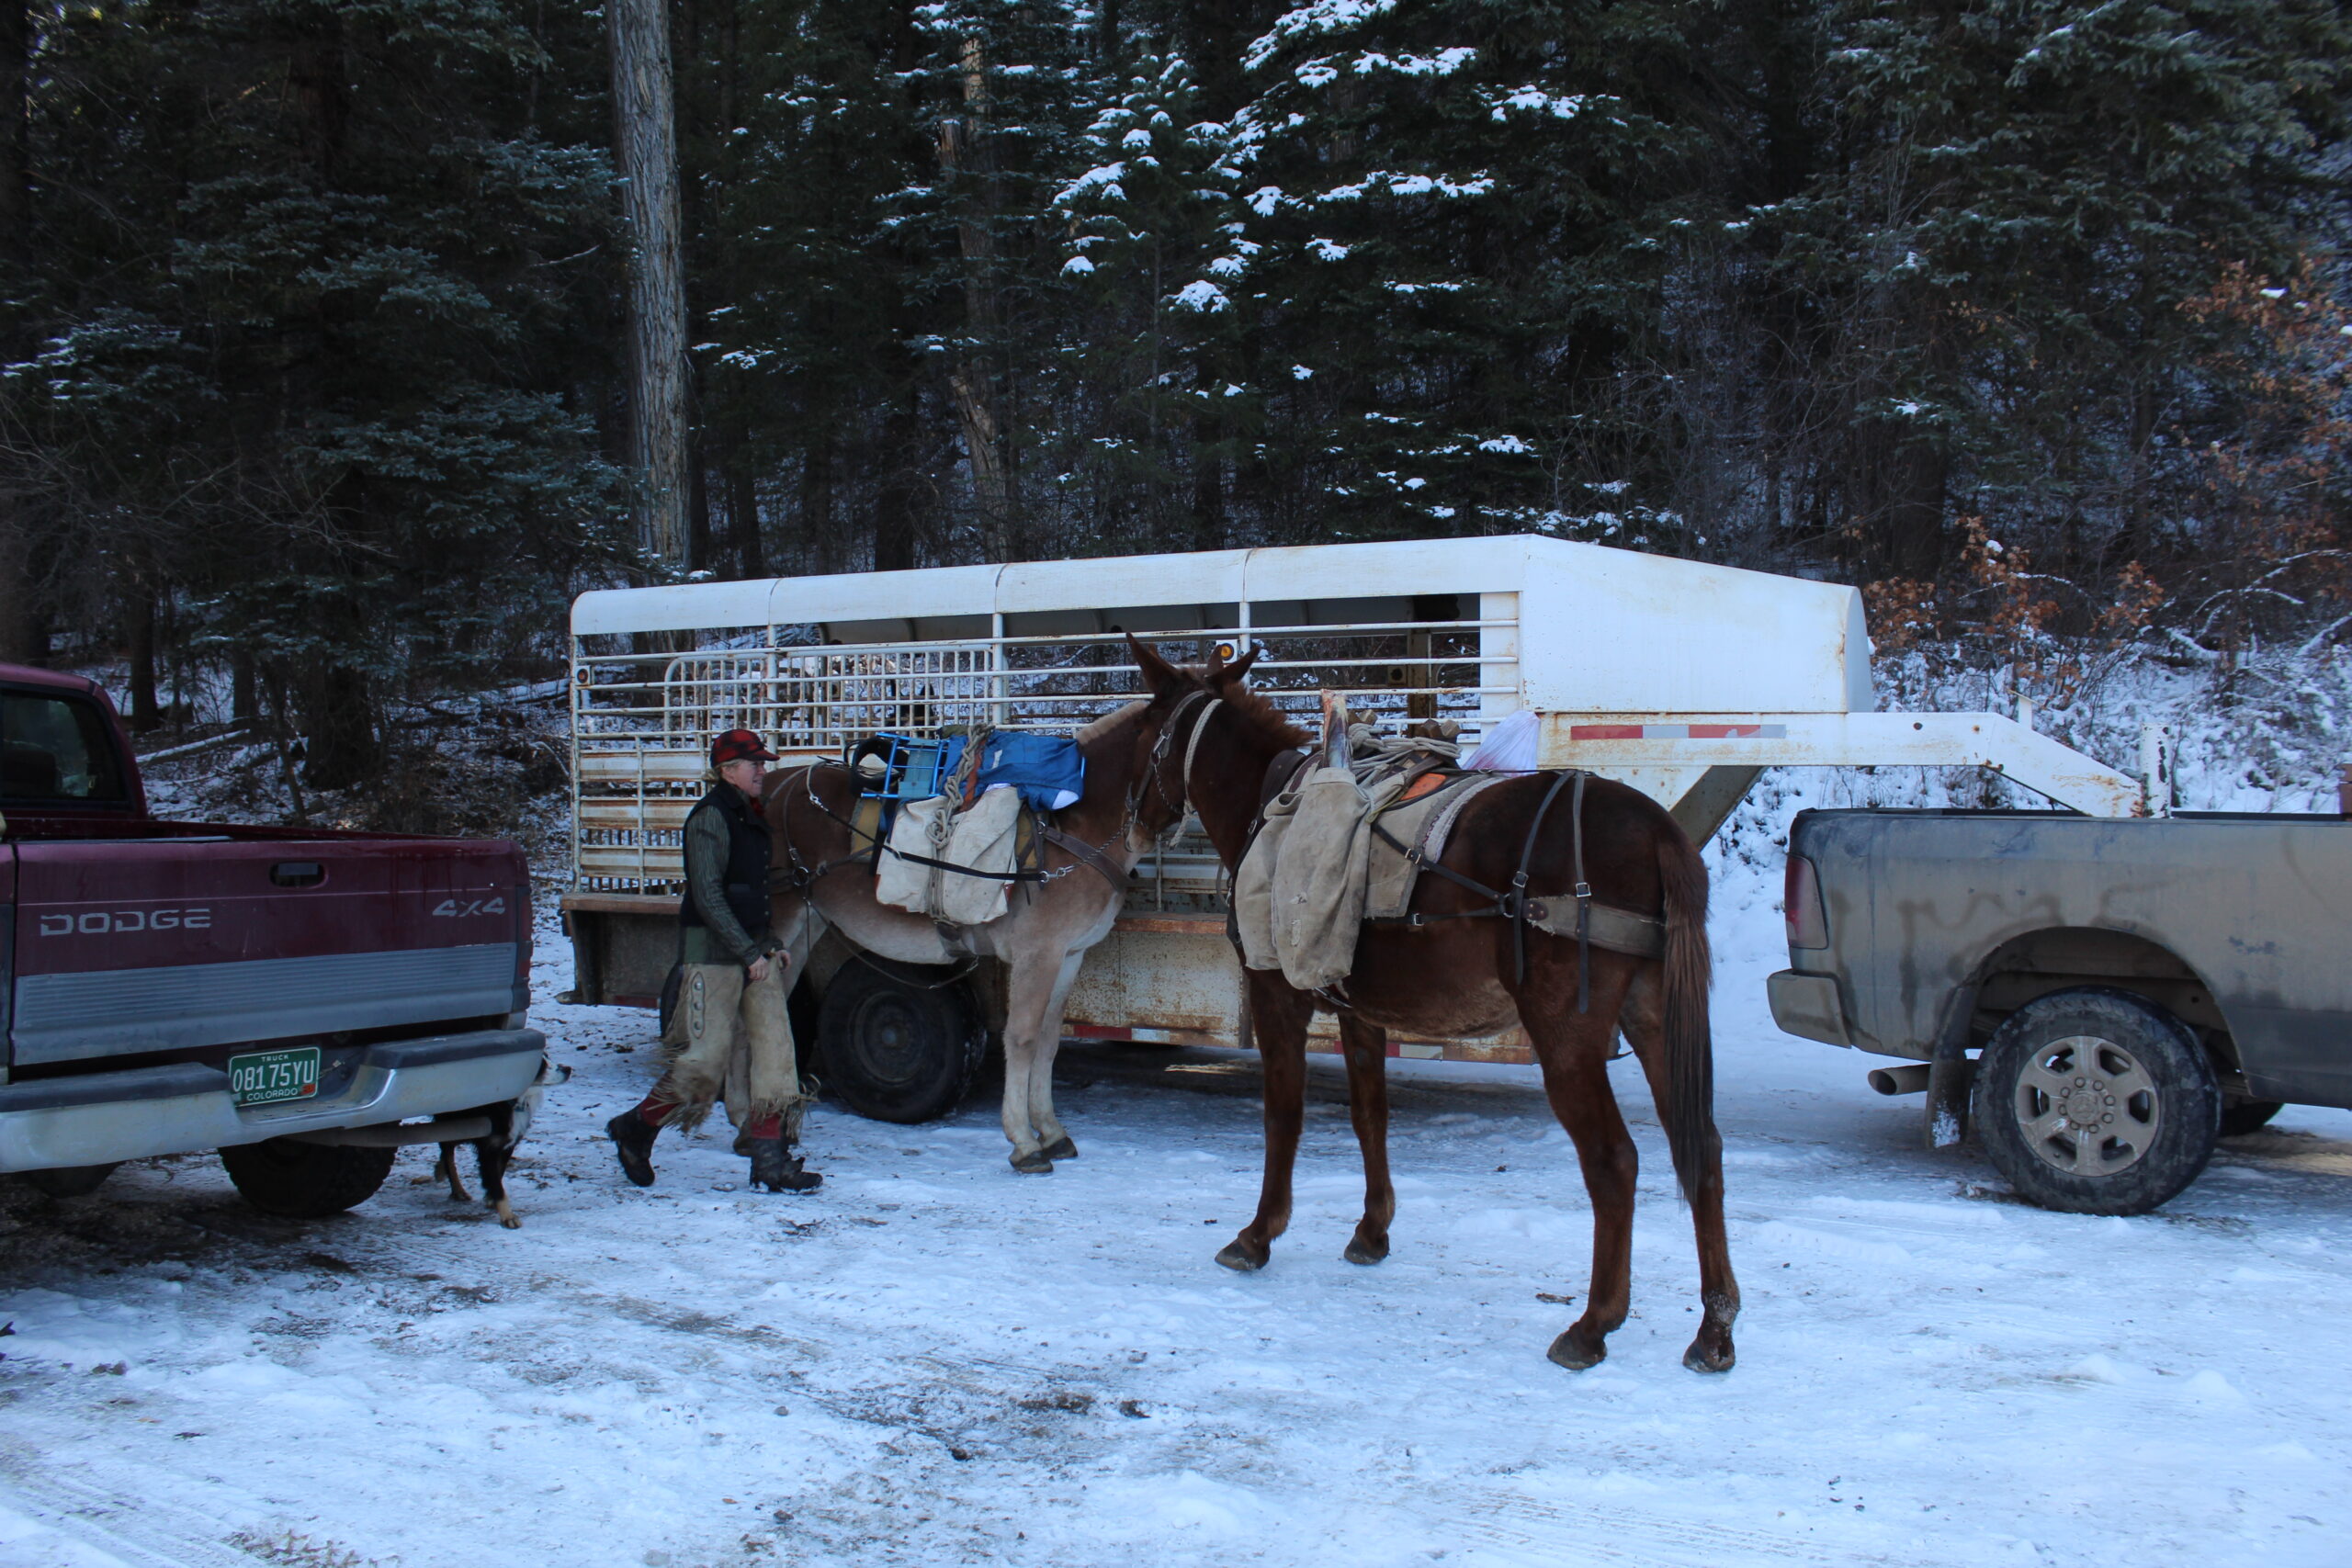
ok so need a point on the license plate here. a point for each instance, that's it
(266, 1077)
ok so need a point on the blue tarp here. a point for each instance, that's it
(1046, 769)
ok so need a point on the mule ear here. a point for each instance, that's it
(1164, 679)
(1239, 668)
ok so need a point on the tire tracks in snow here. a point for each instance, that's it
(136, 1527)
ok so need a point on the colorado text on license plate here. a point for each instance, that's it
(267, 1077)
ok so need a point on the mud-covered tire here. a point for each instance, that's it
(305, 1182)
(2096, 1101)
(2240, 1117)
(893, 1048)
(70, 1181)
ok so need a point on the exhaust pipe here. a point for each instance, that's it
(399, 1135)
(1911, 1078)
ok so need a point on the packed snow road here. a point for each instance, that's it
(935, 1360)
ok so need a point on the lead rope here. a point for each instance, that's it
(1192, 749)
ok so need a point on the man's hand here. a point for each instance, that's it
(759, 970)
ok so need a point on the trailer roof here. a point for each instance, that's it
(1600, 629)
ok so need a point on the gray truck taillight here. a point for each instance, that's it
(1801, 904)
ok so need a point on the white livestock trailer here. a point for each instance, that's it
(1681, 678)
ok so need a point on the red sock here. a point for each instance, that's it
(653, 1110)
(765, 1127)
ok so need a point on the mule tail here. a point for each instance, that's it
(1690, 1047)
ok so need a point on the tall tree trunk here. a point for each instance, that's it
(817, 486)
(16, 116)
(743, 516)
(646, 134)
(320, 80)
(340, 722)
(900, 492)
(19, 612)
(699, 536)
(1208, 485)
(970, 383)
(145, 714)
(244, 690)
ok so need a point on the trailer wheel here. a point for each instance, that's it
(894, 1049)
(2096, 1101)
(305, 1182)
(2240, 1117)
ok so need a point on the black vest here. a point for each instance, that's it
(747, 861)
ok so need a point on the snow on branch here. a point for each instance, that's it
(1310, 21)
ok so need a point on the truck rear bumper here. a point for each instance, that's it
(102, 1118)
(1807, 1006)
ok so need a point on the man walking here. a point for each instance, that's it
(729, 1024)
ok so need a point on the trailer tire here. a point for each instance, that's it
(305, 1182)
(893, 1048)
(2096, 1101)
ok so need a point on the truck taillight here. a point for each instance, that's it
(1801, 904)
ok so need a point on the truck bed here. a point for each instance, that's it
(1939, 923)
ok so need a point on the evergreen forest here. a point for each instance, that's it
(2027, 316)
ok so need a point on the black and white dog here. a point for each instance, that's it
(495, 1149)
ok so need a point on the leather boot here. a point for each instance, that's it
(633, 1141)
(775, 1167)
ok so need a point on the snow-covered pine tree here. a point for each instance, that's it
(1153, 240)
(1458, 216)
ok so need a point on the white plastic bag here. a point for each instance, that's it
(1508, 747)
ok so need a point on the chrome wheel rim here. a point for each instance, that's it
(2088, 1107)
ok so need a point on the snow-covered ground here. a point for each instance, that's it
(935, 1360)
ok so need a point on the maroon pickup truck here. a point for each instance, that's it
(288, 997)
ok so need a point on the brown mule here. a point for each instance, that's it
(1460, 977)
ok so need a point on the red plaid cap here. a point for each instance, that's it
(736, 745)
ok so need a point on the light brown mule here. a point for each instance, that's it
(1041, 938)
(1459, 978)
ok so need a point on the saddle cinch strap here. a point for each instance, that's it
(1576, 914)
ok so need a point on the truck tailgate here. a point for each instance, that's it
(124, 948)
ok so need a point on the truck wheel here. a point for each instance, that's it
(305, 1182)
(895, 1050)
(2096, 1101)
(2240, 1117)
(70, 1181)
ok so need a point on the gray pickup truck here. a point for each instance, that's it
(2106, 998)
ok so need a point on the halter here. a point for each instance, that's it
(1192, 748)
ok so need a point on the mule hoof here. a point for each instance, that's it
(1703, 1358)
(1240, 1258)
(1061, 1148)
(1033, 1163)
(1575, 1353)
(1366, 1252)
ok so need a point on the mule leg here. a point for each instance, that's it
(1574, 1050)
(1055, 1139)
(1029, 990)
(1278, 1017)
(1365, 1046)
(1644, 1027)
